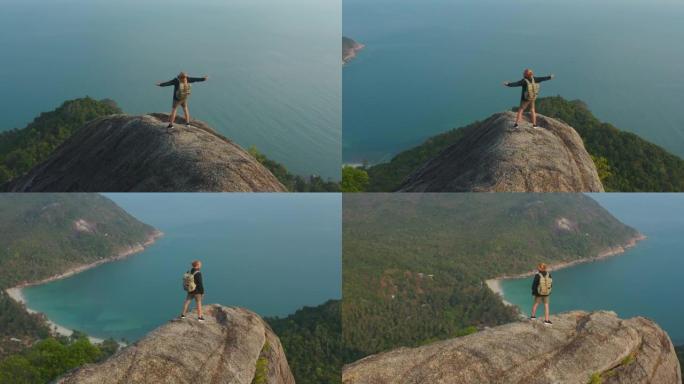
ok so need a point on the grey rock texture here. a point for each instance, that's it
(577, 346)
(122, 153)
(223, 349)
(495, 157)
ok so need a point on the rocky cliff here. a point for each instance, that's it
(233, 346)
(122, 153)
(496, 157)
(578, 348)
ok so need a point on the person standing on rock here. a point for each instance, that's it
(541, 290)
(192, 284)
(530, 91)
(181, 94)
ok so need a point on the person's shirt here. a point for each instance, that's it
(535, 282)
(199, 287)
(176, 83)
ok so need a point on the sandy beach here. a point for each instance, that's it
(17, 295)
(495, 283)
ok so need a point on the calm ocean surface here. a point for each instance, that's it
(431, 66)
(271, 253)
(274, 66)
(644, 281)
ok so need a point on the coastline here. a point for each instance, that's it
(494, 284)
(17, 295)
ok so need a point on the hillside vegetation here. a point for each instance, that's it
(625, 162)
(22, 149)
(414, 265)
(46, 234)
(312, 339)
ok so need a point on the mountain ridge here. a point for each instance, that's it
(122, 153)
(496, 157)
(233, 345)
(596, 347)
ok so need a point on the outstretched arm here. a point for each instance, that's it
(196, 79)
(167, 83)
(543, 78)
(515, 84)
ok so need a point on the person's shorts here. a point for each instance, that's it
(177, 102)
(191, 296)
(541, 299)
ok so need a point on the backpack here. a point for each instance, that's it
(183, 91)
(532, 90)
(545, 282)
(189, 281)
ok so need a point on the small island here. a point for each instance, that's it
(349, 49)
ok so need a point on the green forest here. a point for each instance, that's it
(312, 339)
(22, 149)
(49, 358)
(414, 265)
(626, 162)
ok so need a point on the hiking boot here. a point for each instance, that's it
(515, 125)
(182, 316)
(547, 322)
(201, 318)
(169, 126)
(533, 317)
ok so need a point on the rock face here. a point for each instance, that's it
(576, 347)
(122, 153)
(231, 346)
(495, 157)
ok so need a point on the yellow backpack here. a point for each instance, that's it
(532, 90)
(183, 92)
(545, 283)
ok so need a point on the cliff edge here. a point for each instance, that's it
(495, 157)
(578, 348)
(122, 153)
(233, 345)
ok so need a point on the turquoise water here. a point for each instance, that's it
(644, 281)
(274, 66)
(271, 253)
(432, 66)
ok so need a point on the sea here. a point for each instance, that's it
(274, 67)
(431, 66)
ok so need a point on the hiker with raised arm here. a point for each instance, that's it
(530, 92)
(181, 94)
(193, 285)
(541, 291)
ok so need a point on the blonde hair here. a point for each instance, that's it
(195, 263)
(182, 75)
(527, 73)
(541, 267)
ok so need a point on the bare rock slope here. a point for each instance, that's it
(233, 346)
(495, 157)
(122, 153)
(578, 348)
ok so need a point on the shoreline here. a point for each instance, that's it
(17, 295)
(494, 284)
